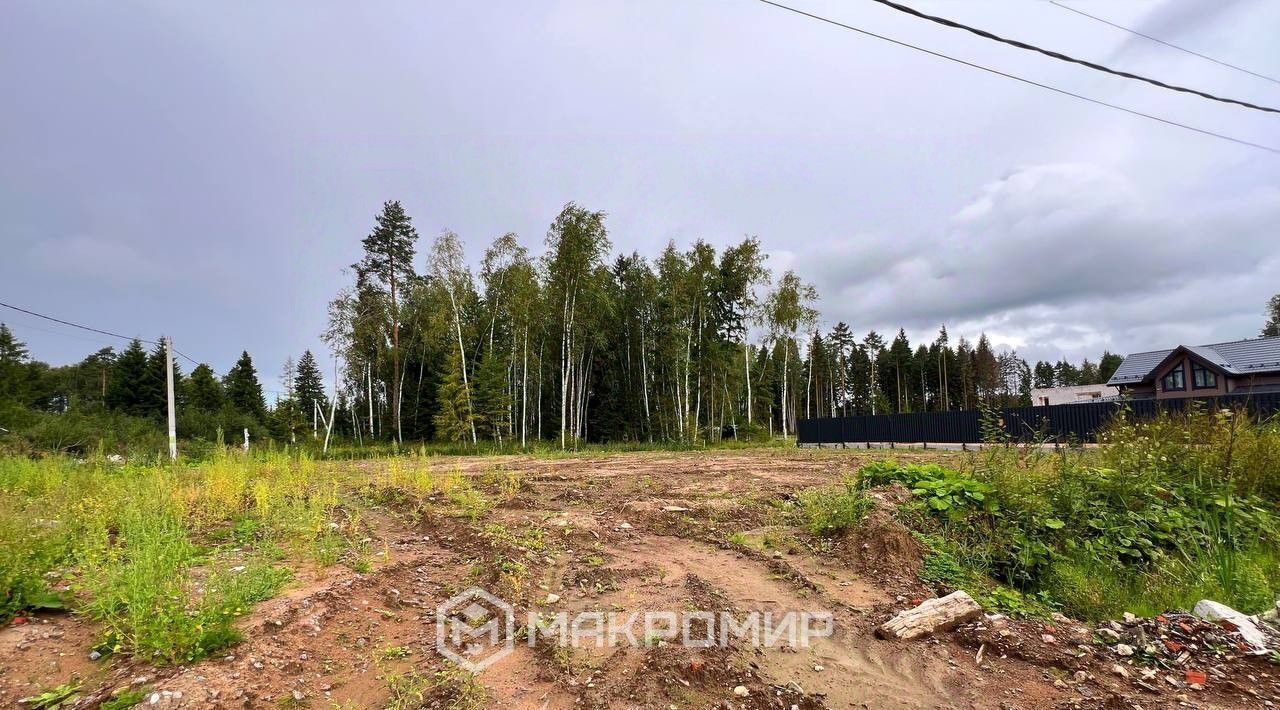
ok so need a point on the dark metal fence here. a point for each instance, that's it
(1055, 423)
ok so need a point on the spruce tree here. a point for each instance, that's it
(491, 397)
(203, 391)
(1044, 375)
(127, 380)
(13, 358)
(244, 392)
(453, 421)
(153, 395)
(309, 386)
(1107, 365)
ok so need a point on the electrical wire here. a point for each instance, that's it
(92, 330)
(1067, 58)
(1157, 40)
(997, 72)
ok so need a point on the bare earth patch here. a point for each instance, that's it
(621, 533)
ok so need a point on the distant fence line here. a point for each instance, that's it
(1055, 423)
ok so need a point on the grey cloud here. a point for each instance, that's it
(1055, 235)
(246, 147)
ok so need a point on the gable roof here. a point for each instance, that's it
(1238, 357)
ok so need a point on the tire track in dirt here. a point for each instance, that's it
(856, 668)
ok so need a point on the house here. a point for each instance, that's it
(1237, 367)
(1046, 396)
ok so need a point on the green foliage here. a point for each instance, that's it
(128, 381)
(125, 699)
(830, 510)
(492, 401)
(243, 390)
(1173, 514)
(204, 392)
(453, 421)
(309, 385)
(62, 696)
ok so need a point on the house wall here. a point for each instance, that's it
(1190, 391)
(1139, 390)
(1252, 381)
(1048, 396)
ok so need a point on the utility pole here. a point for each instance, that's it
(168, 379)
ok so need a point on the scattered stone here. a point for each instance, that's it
(1130, 618)
(1048, 638)
(95, 655)
(552, 598)
(1120, 670)
(932, 615)
(298, 695)
(1210, 610)
(741, 691)
(1108, 635)
(676, 509)
(1124, 649)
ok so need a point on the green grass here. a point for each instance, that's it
(448, 688)
(168, 557)
(1165, 513)
(830, 510)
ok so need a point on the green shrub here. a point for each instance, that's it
(830, 510)
(1165, 513)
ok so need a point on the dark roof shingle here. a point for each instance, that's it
(1238, 357)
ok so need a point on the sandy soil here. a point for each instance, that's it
(620, 533)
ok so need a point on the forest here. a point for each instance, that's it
(577, 344)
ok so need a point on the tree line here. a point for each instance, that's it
(131, 382)
(579, 344)
(576, 344)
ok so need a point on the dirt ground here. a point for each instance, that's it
(620, 533)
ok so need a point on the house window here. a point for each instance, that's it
(1202, 378)
(1175, 380)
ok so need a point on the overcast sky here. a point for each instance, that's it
(207, 170)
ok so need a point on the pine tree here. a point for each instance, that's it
(127, 380)
(203, 391)
(453, 421)
(244, 392)
(388, 259)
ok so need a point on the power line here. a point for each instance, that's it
(1007, 75)
(1067, 58)
(1167, 44)
(90, 329)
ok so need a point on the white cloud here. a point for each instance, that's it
(1065, 258)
